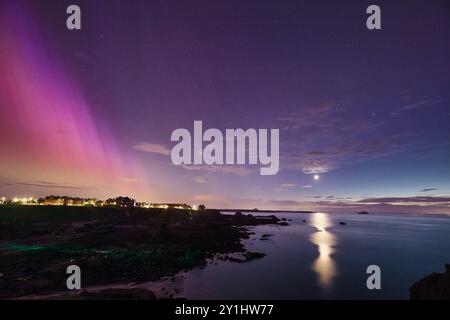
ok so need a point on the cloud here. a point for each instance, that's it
(428, 189)
(420, 205)
(342, 149)
(416, 105)
(417, 199)
(316, 153)
(285, 186)
(327, 134)
(282, 203)
(311, 166)
(231, 169)
(335, 133)
(320, 116)
(152, 148)
(288, 185)
(200, 179)
(46, 184)
(210, 198)
(129, 180)
(163, 150)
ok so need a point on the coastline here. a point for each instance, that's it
(120, 246)
(317, 246)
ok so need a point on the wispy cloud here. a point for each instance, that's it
(200, 179)
(210, 198)
(231, 169)
(383, 204)
(324, 136)
(329, 126)
(332, 203)
(163, 150)
(417, 199)
(285, 186)
(152, 148)
(342, 139)
(46, 184)
(416, 105)
(129, 179)
(428, 190)
(288, 185)
(282, 203)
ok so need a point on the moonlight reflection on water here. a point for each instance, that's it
(314, 258)
(324, 265)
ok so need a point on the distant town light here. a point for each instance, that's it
(120, 202)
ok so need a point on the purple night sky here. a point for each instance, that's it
(90, 112)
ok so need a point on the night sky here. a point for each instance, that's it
(90, 112)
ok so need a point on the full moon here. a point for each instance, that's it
(316, 177)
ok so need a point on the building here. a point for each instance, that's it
(54, 201)
(120, 202)
(165, 206)
(68, 201)
(23, 201)
(171, 206)
(74, 202)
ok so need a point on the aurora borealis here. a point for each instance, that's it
(90, 112)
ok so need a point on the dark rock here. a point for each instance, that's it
(265, 237)
(132, 245)
(342, 223)
(435, 286)
(253, 255)
(247, 256)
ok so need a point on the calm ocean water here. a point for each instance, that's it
(321, 259)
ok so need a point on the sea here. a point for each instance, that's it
(318, 256)
(326, 256)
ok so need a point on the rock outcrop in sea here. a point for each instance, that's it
(435, 286)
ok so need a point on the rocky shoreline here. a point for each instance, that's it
(113, 246)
